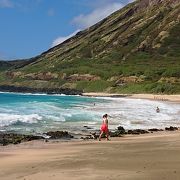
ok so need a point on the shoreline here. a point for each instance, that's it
(156, 97)
(14, 138)
(157, 155)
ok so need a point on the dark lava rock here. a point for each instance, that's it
(155, 130)
(118, 133)
(137, 131)
(120, 128)
(133, 132)
(11, 138)
(21, 89)
(87, 137)
(171, 128)
(92, 135)
(95, 135)
(87, 127)
(59, 134)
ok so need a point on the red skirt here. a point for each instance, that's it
(104, 128)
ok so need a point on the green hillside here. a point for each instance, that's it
(134, 50)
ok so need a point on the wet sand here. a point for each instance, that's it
(152, 156)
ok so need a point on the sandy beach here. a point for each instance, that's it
(152, 156)
(158, 97)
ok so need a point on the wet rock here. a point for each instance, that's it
(92, 135)
(137, 131)
(11, 138)
(171, 128)
(87, 127)
(95, 135)
(87, 137)
(155, 130)
(4, 142)
(59, 134)
(116, 134)
(120, 128)
(133, 132)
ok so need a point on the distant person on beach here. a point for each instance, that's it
(104, 127)
(157, 110)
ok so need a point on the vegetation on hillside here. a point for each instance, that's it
(135, 50)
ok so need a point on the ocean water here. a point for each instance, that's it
(38, 113)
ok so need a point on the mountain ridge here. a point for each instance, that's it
(113, 55)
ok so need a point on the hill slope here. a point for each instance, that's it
(134, 50)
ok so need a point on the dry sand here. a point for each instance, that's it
(158, 97)
(146, 157)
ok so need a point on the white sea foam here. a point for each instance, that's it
(138, 113)
(8, 119)
(56, 118)
(72, 113)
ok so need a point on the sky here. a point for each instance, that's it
(30, 27)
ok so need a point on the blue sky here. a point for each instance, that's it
(29, 27)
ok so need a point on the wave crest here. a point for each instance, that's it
(9, 119)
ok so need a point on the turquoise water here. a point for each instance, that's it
(28, 113)
(40, 113)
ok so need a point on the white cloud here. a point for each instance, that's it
(130, 1)
(84, 21)
(101, 10)
(6, 4)
(61, 39)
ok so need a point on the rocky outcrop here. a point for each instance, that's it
(171, 128)
(118, 133)
(149, 3)
(169, 80)
(120, 81)
(40, 90)
(12, 75)
(82, 77)
(45, 76)
(137, 131)
(155, 130)
(11, 138)
(59, 134)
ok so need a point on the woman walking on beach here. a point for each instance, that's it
(104, 127)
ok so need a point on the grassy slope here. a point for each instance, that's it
(135, 41)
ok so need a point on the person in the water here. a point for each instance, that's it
(104, 127)
(157, 109)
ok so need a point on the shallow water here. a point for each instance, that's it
(38, 113)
